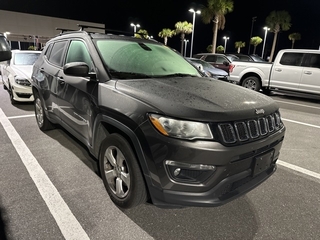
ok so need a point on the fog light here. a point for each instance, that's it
(176, 171)
(189, 173)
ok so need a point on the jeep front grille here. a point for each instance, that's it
(249, 130)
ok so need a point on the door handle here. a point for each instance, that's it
(308, 72)
(60, 79)
(278, 69)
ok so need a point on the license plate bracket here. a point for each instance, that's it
(262, 162)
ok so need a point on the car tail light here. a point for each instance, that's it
(231, 67)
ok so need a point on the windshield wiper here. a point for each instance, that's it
(127, 75)
(177, 75)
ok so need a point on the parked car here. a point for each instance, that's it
(246, 57)
(16, 75)
(217, 60)
(161, 132)
(294, 71)
(209, 70)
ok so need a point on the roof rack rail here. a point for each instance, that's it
(62, 30)
(82, 27)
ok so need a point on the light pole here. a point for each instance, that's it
(134, 27)
(225, 42)
(253, 20)
(266, 29)
(185, 46)
(193, 27)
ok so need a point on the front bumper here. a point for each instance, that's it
(236, 173)
(22, 93)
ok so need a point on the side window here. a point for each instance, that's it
(220, 59)
(210, 58)
(292, 59)
(78, 52)
(314, 61)
(48, 50)
(57, 53)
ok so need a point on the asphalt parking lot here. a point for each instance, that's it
(50, 188)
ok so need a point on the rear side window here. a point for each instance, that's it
(314, 61)
(210, 58)
(57, 53)
(292, 59)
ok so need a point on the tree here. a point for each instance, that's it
(165, 34)
(209, 48)
(255, 41)
(183, 28)
(277, 21)
(294, 37)
(142, 34)
(220, 49)
(215, 12)
(238, 45)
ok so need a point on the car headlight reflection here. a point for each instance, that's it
(180, 128)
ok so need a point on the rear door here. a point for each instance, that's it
(286, 74)
(310, 77)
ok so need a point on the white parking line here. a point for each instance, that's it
(299, 169)
(298, 104)
(306, 124)
(68, 224)
(21, 116)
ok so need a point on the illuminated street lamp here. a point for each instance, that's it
(193, 26)
(185, 46)
(134, 27)
(225, 42)
(266, 29)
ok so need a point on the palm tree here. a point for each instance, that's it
(165, 34)
(277, 20)
(255, 41)
(238, 45)
(183, 28)
(294, 37)
(215, 12)
(209, 48)
(220, 49)
(142, 34)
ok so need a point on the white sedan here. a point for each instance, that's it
(16, 75)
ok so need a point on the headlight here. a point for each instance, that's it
(180, 128)
(22, 81)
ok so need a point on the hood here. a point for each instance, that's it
(198, 98)
(23, 70)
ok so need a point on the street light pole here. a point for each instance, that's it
(253, 20)
(193, 26)
(225, 42)
(134, 27)
(266, 29)
(185, 46)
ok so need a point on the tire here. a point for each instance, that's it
(252, 83)
(42, 120)
(11, 95)
(121, 173)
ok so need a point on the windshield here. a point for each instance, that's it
(25, 58)
(128, 59)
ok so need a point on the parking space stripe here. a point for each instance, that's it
(21, 116)
(298, 104)
(68, 224)
(299, 169)
(306, 124)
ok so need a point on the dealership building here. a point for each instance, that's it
(28, 30)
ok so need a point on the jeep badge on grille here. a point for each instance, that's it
(260, 111)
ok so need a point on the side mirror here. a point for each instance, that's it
(5, 50)
(226, 63)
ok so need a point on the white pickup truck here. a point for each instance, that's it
(293, 71)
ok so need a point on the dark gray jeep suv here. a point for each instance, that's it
(162, 132)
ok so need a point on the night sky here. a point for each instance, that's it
(153, 16)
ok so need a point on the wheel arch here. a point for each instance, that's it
(104, 126)
(250, 74)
